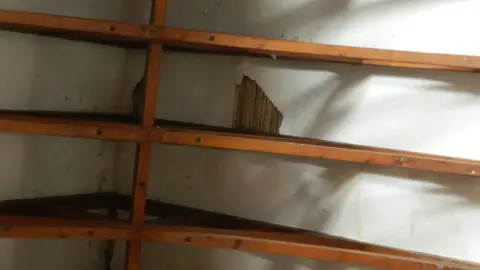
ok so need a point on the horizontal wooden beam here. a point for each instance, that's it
(77, 28)
(255, 46)
(202, 136)
(112, 31)
(298, 246)
(172, 216)
(71, 128)
(315, 149)
(28, 227)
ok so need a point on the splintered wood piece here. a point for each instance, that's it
(251, 107)
(251, 88)
(254, 46)
(257, 113)
(23, 227)
(268, 115)
(303, 246)
(76, 27)
(236, 106)
(315, 149)
(244, 104)
(71, 128)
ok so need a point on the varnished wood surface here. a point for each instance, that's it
(77, 28)
(226, 43)
(223, 138)
(144, 149)
(295, 245)
(180, 225)
(316, 149)
(70, 128)
(28, 227)
(245, 237)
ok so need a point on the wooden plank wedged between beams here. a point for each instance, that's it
(310, 148)
(71, 27)
(28, 227)
(293, 245)
(255, 46)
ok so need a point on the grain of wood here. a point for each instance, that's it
(142, 161)
(71, 128)
(310, 148)
(317, 52)
(303, 246)
(116, 31)
(224, 43)
(254, 109)
(28, 227)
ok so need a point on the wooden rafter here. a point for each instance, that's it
(310, 148)
(188, 226)
(298, 246)
(144, 149)
(29, 227)
(226, 43)
(70, 128)
(101, 31)
(76, 28)
(180, 225)
(116, 127)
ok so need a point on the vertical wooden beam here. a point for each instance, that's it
(144, 149)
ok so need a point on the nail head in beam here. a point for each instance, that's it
(71, 128)
(223, 43)
(285, 244)
(317, 149)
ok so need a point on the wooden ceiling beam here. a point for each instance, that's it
(92, 126)
(277, 48)
(144, 149)
(29, 227)
(296, 245)
(77, 28)
(71, 128)
(112, 31)
(175, 216)
(311, 148)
